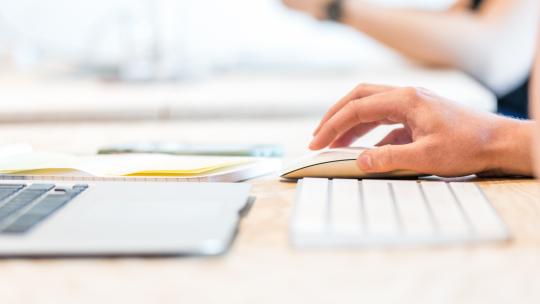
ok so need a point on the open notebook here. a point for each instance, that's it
(143, 167)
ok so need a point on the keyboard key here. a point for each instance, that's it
(47, 206)
(346, 209)
(8, 186)
(23, 199)
(485, 222)
(40, 187)
(379, 208)
(446, 210)
(311, 207)
(80, 187)
(7, 190)
(413, 210)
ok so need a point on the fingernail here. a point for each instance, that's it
(365, 162)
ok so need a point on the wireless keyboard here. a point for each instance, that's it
(350, 212)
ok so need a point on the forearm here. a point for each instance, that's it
(510, 149)
(434, 38)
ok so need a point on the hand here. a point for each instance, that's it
(315, 8)
(438, 137)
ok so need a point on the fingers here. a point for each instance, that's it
(394, 106)
(399, 136)
(360, 91)
(352, 135)
(391, 157)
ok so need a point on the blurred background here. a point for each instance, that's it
(178, 39)
(75, 60)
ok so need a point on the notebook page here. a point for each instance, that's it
(119, 165)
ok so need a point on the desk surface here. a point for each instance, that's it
(277, 94)
(261, 267)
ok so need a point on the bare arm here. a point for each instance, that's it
(496, 44)
(443, 38)
(438, 38)
(460, 5)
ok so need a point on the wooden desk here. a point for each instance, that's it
(261, 267)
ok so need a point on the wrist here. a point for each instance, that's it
(509, 150)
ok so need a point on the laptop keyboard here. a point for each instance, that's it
(345, 212)
(23, 206)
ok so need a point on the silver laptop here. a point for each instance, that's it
(42, 218)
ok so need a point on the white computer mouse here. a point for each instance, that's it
(336, 163)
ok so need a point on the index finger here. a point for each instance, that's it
(393, 105)
(362, 90)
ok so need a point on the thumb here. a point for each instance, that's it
(390, 158)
